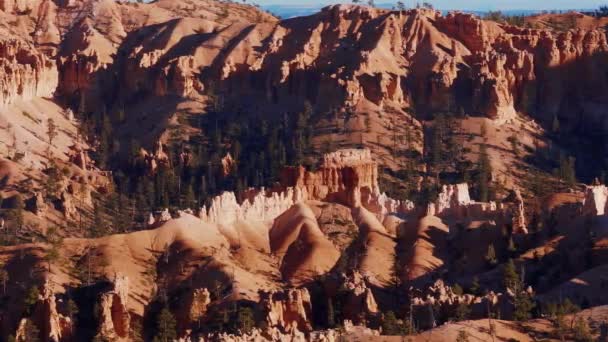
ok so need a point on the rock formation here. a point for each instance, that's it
(27, 73)
(288, 310)
(261, 206)
(596, 200)
(67, 206)
(360, 302)
(52, 325)
(114, 315)
(453, 199)
(442, 297)
(343, 176)
(418, 58)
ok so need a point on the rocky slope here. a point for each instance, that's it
(270, 250)
(146, 85)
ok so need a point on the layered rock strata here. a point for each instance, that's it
(26, 72)
(289, 310)
(114, 315)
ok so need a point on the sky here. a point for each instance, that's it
(481, 5)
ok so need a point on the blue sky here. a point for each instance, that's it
(465, 4)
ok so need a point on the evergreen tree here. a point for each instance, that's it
(53, 180)
(491, 255)
(475, 288)
(510, 277)
(165, 326)
(331, 314)
(523, 305)
(55, 241)
(457, 289)
(463, 336)
(16, 214)
(4, 278)
(135, 331)
(245, 320)
(582, 331)
(31, 332)
(484, 176)
(392, 326)
(511, 245)
(555, 125)
(72, 309)
(567, 170)
(30, 300)
(51, 130)
(462, 312)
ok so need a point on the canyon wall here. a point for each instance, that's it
(27, 73)
(356, 57)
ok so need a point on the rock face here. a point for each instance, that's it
(352, 56)
(440, 296)
(52, 325)
(114, 316)
(349, 177)
(27, 73)
(454, 199)
(596, 200)
(288, 310)
(360, 303)
(194, 307)
(344, 177)
(258, 206)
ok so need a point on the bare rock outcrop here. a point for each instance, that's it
(27, 73)
(596, 200)
(453, 199)
(348, 177)
(114, 315)
(258, 206)
(52, 325)
(442, 297)
(67, 206)
(289, 310)
(193, 309)
(344, 176)
(360, 303)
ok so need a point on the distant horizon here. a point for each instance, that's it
(469, 5)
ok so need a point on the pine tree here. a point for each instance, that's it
(52, 255)
(72, 309)
(511, 246)
(165, 326)
(331, 314)
(391, 325)
(31, 332)
(484, 174)
(567, 171)
(457, 289)
(463, 336)
(523, 305)
(16, 214)
(462, 312)
(4, 277)
(30, 300)
(555, 125)
(51, 130)
(582, 331)
(475, 288)
(245, 319)
(491, 255)
(53, 180)
(510, 277)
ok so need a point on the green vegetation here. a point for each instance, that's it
(499, 17)
(165, 326)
